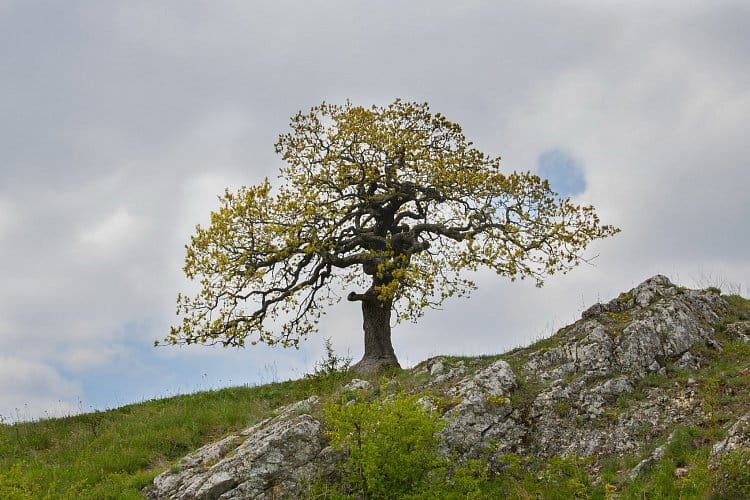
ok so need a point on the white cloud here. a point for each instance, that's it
(79, 358)
(112, 233)
(30, 389)
(6, 215)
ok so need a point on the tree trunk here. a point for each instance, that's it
(379, 354)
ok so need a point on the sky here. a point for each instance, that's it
(121, 122)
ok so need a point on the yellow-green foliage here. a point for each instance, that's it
(498, 400)
(445, 403)
(392, 452)
(732, 475)
(391, 444)
(393, 202)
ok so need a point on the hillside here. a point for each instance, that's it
(647, 395)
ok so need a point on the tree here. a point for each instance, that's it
(391, 204)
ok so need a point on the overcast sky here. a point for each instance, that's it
(120, 123)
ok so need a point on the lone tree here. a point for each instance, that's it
(388, 203)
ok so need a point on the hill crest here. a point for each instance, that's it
(624, 376)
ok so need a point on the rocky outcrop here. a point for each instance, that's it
(483, 413)
(273, 459)
(574, 393)
(605, 355)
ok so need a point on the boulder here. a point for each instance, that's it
(357, 385)
(277, 456)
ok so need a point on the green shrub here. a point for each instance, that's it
(392, 448)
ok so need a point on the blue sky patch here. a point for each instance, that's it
(563, 171)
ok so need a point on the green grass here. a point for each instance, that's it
(114, 454)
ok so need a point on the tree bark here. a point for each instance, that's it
(379, 355)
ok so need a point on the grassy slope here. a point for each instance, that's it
(114, 454)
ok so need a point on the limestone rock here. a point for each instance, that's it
(663, 324)
(495, 380)
(452, 374)
(484, 412)
(738, 436)
(739, 330)
(655, 456)
(681, 472)
(357, 385)
(275, 456)
(474, 423)
(437, 367)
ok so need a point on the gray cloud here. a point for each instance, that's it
(122, 122)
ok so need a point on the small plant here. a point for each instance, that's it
(733, 475)
(498, 400)
(445, 403)
(391, 445)
(624, 297)
(562, 407)
(610, 491)
(711, 399)
(331, 364)
(567, 477)
(560, 478)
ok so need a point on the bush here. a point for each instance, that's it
(392, 450)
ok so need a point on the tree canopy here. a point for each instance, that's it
(389, 206)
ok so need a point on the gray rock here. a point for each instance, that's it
(620, 341)
(495, 380)
(483, 414)
(457, 371)
(275, 457)
(687, 362)
(474, 423)
(592, 311)
(670, 324)
(392, 386)
(658, 286)
(437, 368)
(432, 367)
(738, 436)
(642, 296)
(594, 401)
(358, 385)
(739, 330)
(655, 456)
(427, 404)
